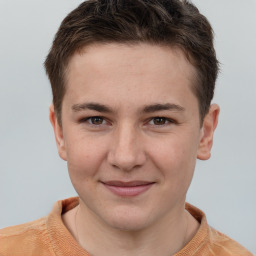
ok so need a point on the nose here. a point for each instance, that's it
(126, 151)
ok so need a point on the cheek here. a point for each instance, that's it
(175, 157)
(84, 157)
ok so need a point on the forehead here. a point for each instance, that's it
(158, 57)
(133, 72)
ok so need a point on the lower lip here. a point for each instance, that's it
(129, 191)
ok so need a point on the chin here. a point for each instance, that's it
(131, 225)
(128, 220)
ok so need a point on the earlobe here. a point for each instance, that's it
(207, 131)
(58, 132)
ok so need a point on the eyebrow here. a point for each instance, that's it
(146, 109)
(92, 106)
(159, 107)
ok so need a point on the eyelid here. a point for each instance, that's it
(169, 121)
(86, 120)
(105, 121)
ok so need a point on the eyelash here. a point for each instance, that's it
(90, 118)
(167, 121)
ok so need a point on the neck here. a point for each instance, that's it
(166, 237)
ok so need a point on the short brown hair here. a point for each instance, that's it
(176, 23)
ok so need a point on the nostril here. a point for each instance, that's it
(126, 151)
(126, 161)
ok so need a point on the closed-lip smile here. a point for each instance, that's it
(128, 189)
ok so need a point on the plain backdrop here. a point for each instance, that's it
(33, 177)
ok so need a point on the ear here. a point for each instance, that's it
(206, 140)
(58, 132)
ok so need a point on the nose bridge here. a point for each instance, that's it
(127, 150)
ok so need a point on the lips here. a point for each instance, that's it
(128, 189)
(127, 184)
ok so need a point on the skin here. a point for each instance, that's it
(133, 141)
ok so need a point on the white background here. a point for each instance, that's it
(32, 177)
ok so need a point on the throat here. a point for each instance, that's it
(166, 239)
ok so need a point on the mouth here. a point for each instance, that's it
(128, 189)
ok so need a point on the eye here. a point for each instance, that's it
(160, 121)
(95, 120)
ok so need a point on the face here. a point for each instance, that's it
(131, 132)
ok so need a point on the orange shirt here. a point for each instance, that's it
(49, 236)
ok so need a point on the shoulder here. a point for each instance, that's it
(221, 244)
(35, 225)
(208, 241)
(25, 239)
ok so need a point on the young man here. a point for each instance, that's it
(132, 84)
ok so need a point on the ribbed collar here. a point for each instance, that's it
(64, 244)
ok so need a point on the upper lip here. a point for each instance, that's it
(134, 183)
